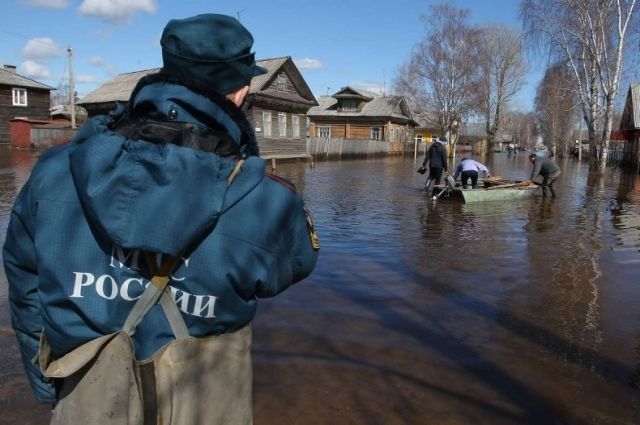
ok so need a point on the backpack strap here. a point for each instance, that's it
(156, 291)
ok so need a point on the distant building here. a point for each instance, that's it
(63, 113)
(279, 102)
(21, 97)
(425, 133)
(356, 114)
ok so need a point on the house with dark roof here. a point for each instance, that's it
(279, 102)
(630, 127)
(21, 97)
(356, 114)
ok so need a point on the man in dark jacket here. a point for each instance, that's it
(549, 171)
(436, 157)
(176, 174)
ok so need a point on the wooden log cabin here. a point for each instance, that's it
(356, 114)
(630, 128)
(279, 102)
(21, 97)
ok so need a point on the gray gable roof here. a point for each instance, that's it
(376, 107)
(119, 89)
(353, 92)
(631, 114)
(8, 78)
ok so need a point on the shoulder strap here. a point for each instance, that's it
(156, 290)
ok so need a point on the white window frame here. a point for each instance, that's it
(295, 124)
(376, 133)
(282, 124)
(349, 105)
(281, 83)
(19, 96)
(266, 124)
(324, 132)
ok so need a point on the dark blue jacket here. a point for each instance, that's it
(73, 249)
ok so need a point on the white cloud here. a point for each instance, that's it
(35, 70)
(51, 4)
(371, 86)
(85, 79)
(96, 61)
(40, 48)
(308, 63)
(116, 11)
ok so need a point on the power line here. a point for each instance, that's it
(30, 38)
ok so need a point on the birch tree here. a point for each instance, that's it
(556, 108)
(502, 71)
(441, 73)
(590, 37)
(523, 127)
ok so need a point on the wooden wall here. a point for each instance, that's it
(391, 132)
(277, 145)
(273, 88)
(38, 102)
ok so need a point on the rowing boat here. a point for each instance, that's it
(494, 189)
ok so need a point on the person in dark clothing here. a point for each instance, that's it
(549, 171)
(436, 156)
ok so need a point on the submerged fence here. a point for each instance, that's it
(325, 148)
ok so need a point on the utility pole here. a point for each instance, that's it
(72, 89)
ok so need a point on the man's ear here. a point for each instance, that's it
(237, 97)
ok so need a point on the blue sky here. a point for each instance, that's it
(334, 43)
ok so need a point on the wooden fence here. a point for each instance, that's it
(326, 148)
(47, 136)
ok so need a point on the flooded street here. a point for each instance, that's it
(423, 312)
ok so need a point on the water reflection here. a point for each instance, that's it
(442, 312)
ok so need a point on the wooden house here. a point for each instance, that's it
(356, 114)
(279, 102)
(630, 127)
(21, 97)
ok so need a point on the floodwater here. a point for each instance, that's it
(423, 312)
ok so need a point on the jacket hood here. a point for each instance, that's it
(151, 196)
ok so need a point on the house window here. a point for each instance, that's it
(376, 133)
(281, 83)
(282, 124)
(349, 105)
(266, 123)
(19, 97)
(324, 132)
(295, 123)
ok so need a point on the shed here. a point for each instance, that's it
(21, 97)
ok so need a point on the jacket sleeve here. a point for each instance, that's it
(21, 268)
(458, 171)
(537, 164)
(481, 167)
(298, 253)
(443, 152)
